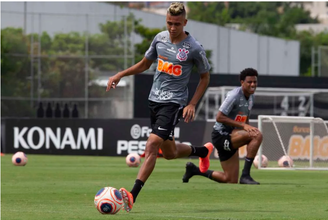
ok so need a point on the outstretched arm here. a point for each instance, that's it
(139, 67)
(189, 110)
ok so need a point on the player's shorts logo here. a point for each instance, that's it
(182, 55)
(226, 146)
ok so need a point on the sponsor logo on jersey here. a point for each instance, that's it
(169, 68)
(171, 50)
(182, 55)
(241, 118)
(186, 45)
(245, 105)
(163, 95)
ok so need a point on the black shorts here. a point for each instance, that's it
(164, 117)
(223, 144)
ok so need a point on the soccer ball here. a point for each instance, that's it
(133, 160)
(19, 159)
(264, 162)
(285, 161)
(108, 200)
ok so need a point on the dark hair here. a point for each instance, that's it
(176, 9)
(247, 72)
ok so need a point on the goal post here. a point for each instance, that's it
(303, 139)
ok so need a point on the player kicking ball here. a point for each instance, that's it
(176, 52)
(232, 131)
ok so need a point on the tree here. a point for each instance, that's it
(15, 74)
(276, 19)
(148, 35)
(308, 40)
(62, 61)
(14, 63)
(210, 12)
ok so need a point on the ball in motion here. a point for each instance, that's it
(285, 161)
(108, 200)
(264, 162)
(133, 160)
(19, 159)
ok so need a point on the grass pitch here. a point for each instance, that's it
(63, 187)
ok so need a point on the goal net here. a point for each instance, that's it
(302, 139)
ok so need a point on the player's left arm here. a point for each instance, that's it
(252, 131)
(203, 67)
(189, 110)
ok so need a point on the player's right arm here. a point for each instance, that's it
(139, 67)
(144, 64)
(222, 118)
(231, 102)
(225, 109)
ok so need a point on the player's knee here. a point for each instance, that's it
(259, 137)
(150, 152)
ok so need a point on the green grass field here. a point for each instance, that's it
(63, 187)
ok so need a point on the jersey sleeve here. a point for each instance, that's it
(228, 104)
(151, 53)
(201, 61)
(251, 104)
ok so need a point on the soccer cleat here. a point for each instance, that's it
(127, 199)
(204, 163)
(248, 180)
(190, 167)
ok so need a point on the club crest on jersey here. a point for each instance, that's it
(182, 55)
